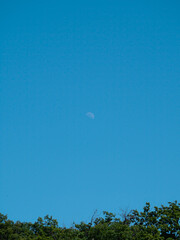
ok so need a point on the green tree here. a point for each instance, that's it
(160, 223)
(166, 219)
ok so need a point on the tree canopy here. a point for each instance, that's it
(159, 223)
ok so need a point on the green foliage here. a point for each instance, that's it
(161, 223)
(165, 219)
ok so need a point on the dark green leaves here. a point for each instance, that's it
(159, 223)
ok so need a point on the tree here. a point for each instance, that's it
(165, 219)
(160, 223)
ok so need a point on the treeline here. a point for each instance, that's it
(158, 223)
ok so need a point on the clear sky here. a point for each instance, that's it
(89, 100)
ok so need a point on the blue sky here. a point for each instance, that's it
(61, 62)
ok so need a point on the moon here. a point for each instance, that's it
(90, 115)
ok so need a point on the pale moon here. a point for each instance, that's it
(90, 115)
